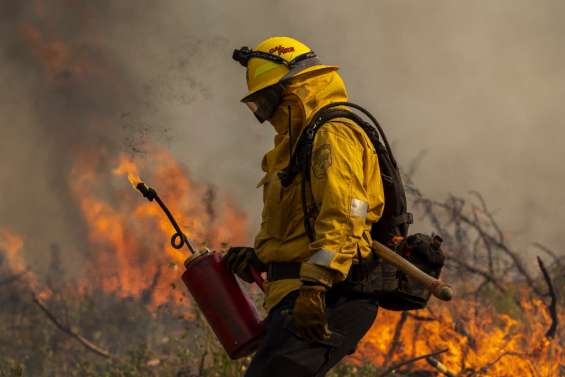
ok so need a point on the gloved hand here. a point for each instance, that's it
(239, 260)
(309, 313)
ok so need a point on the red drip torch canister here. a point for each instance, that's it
(228, 308)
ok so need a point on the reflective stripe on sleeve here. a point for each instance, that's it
(322, 257)
(359, 208)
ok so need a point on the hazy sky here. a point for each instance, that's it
(478, 85)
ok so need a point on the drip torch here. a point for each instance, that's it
(227, 307)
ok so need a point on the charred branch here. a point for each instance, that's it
(439, 366)
(422, 318)
(552, 307)
(461, 329)
(415, 164)
(487, 245)
(71, 333)
(147, 293)
(455, 231)
(210, 202)
(477, 271)
(13, 278)
(400, 364)
(548, 251)
(498, 243)
(489, 215)
(489, 365)
(396, 337)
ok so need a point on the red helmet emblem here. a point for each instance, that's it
(280, 50)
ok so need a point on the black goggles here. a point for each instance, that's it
(264, 103)
(243, 55)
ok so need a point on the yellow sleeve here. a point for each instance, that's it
(337, 184)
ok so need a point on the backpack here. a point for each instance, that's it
(395, 219)
(393, 288)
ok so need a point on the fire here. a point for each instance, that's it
(127, 166)
(476, 337)
(130, 237)
(129, 255)
(57, 57)
(134, 180)
(11, 246)
(127, 250)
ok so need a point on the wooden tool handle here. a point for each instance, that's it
(438, 288)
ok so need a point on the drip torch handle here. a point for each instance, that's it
(257, 278)
(179, 239)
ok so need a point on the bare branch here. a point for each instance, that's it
(548, 251)
(487, 244)
(439, 366)
(13, 278)
(67, 330)
(478, 271)
(552, 307)
(396, 337)
(400, 364)
(485, 368)
(422, 318)
(498, 243)
(147, 293)
(489, 215)
(415, 163)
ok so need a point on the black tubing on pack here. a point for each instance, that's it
(371, 117)
(395, 222)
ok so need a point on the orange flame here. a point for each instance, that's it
(131, 256)
(57, 57)
(134, 180)
(11, 246)
(475, 335)
(131, 237)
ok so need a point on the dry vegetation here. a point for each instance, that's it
(504, 321)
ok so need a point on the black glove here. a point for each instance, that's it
(239, 260)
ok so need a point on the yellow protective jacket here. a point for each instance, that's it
(345, 184)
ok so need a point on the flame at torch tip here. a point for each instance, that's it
(127, 166)
(134, 180)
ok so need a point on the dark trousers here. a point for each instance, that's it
(283, 353)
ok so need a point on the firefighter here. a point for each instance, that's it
(313, 319)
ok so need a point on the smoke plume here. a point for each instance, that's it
(476, 88)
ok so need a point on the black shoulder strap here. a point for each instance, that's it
(324, 115)
(395, 220)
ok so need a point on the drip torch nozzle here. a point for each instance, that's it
(179, 239)
(146, 191)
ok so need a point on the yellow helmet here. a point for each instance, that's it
(275, 60)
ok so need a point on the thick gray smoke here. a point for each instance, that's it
(478, 86)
